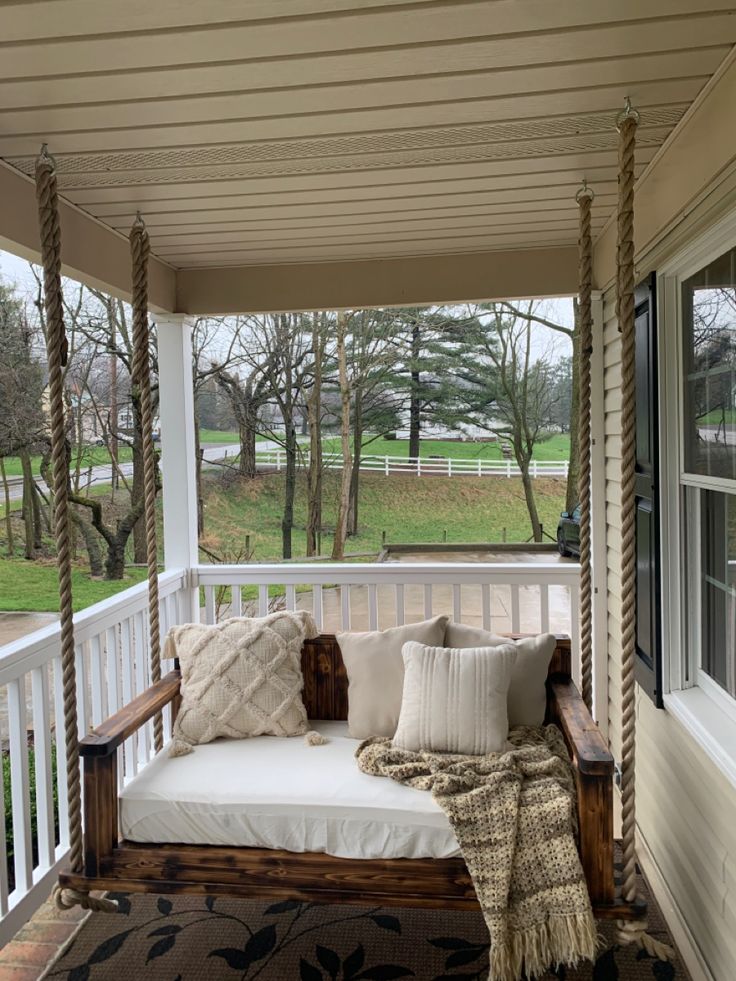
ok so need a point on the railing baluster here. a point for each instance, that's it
(428, 601)
(60, 753)
(236, 601)
(96, 681)
(575, 633)
(400, 608)
(544, 608)
(142, 679)
(112, 653)
(485, 602)
(20, 785)
(43, 766)
(81, 670)
(317, 605)
(210, 613)
(372, 607)
(291, 597)
(262, 601)
(515, 610)
(126, 666)
(457, 612)
(345, 607)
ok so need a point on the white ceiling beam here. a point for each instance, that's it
(406, 281)
(91, 252)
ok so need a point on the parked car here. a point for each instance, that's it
(568, 533)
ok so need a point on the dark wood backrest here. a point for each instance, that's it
(326, 681)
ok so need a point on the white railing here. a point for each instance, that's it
(504, 597)
(424, 466)
(112, 663)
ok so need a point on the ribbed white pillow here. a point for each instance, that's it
(455, 701)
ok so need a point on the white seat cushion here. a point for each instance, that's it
(271, 792)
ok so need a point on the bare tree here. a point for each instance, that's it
(314, 422)
(341, 522)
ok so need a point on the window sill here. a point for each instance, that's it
(711, 726)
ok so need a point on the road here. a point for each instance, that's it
(103, 473)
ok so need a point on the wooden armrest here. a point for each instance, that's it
(106, 738)
(587, 746)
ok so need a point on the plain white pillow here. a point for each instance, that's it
(527, 692)
(375, 672)
(455, 701)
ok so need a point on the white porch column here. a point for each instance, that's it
(178, 463)
(598, 520)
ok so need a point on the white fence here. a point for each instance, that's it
(112, 661)
(425, 466)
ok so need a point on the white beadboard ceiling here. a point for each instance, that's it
(282, 131)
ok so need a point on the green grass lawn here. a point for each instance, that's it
(230, 436)
(33, 586)
(557, 447)
(407, 508)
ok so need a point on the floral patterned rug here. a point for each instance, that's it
(192, 938)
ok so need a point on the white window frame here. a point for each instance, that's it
(699, 704)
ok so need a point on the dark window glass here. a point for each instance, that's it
(709, 369)
(718, 565)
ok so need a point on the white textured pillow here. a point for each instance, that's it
(527, 693)
(240, 678)
(375, 671)
(455, 701)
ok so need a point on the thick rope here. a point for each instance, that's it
(634, 931)
(50, 235)
(68, 898)
(627, 143)
(141, 375)
(585, 350)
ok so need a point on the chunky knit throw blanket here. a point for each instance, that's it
(514, 818)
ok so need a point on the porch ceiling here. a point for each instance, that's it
(276, 132)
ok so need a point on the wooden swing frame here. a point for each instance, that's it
(112, 864)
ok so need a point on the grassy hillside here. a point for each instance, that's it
(407, 508)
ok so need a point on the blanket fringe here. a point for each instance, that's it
(635, 932)
(559, 940)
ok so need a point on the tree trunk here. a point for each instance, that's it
(415, 409)
(8, 515)
(114, 448)
(357, 455)
(287, 522)
(28, 516)
(247, 437)
(531, 503)
(198, 474)
(115, 562)
(341, 523)
(314, 472)
(140, 554)
(91, 543)
(571, 496)
(37, 518)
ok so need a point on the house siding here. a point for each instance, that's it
(686, 808)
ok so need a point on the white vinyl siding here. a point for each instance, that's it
(685, 805)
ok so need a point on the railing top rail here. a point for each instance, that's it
(355, 574)
(42, 645)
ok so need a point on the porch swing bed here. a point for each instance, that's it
(284, 821)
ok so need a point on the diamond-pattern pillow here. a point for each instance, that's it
(240, 678)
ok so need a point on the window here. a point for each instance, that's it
(708, 453)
